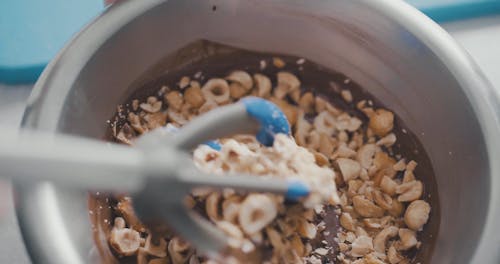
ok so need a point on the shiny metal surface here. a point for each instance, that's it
(390, 49)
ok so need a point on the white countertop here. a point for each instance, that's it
(480, 37)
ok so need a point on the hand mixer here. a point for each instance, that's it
(159, 172)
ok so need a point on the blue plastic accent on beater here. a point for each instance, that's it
(296, 189)
(272, 120)
(214, 144)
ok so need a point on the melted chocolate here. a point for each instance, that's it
(214, 60)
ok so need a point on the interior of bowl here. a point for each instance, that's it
(346, 36)
(213, 60)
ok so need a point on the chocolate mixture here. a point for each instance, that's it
(163, 101)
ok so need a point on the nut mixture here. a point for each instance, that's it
(379, 204)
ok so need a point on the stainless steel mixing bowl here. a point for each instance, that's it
(389, 48)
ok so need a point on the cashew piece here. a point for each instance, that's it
(194, 96)
(242, 78)
(287, 83)
(381, 238)
(306, 102)
(408, 239)
(388, 186)
(349, 168)
(174, 100)
(361, 246)
(409, 191)
(393, 256)
(152, 105)
(382, 199)
(366, 208)
(381, 122)
(347, 222)
(417, 214)
(324, 122)
(263, 84)
(366, 154)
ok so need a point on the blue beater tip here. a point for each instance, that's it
(297, 189)
(272, 120)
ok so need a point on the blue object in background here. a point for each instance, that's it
(33, 31)
(449, 10)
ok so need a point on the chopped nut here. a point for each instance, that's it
(347, 222)
(194, 96)
(366, 208)
(393, 256)
(207, 106)
(325, 123)
(388, 186)
(400, 165)
(237, 91)
(176, 117)
(362, 246)
(263, 84)
(155, 120)
(174, 100)
(343, 247)
(321, 159)
(349, 168)
(372, 259)
(382, 199)
(124, 240)
(387, 141)
(242, 78)
(179, 250)
(381, 122)
(135, 123)
(257, 211)
(381, 238)
(275, 238)
(306, 102)
(343, 152)
(302, 129)
(278, 62)
(297, 245)
(152, 105)
(417, 214)
(216, 90)
(307, 230)
(408, 239)
(346, 95)
(366, 154)
(184, 82)
(397, 208)
(409, 191)
(125, 135)
(287, 83)
(135, 104)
